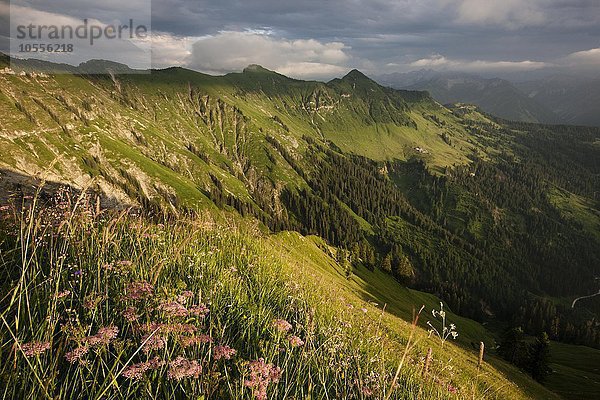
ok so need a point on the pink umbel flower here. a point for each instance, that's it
(104, 336)
(200, 310)
(76, 354)
(261, 375)
(282, 325)
(154, 342)
(174, 309)
(295, 341)
(34, 348)
(130, 314)
(136, 371)
(181, 368)
(225, 352)
(139, 290)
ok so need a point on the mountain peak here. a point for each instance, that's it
(355, 75)
(256, 68)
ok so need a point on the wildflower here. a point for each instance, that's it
(110, 332)
(364, 310)
(261, 375)
(282, 325)
(183, 368)
(174, 309)
(103, 337)
(295, 341)
(178, 328)
(139, 290)
(225, 352)
(136, 371)
(34, 348)
(78, 272)
(452, 389)
(130, 314)
(154, 342)
(185, 296)
(124, 264)
(195, 340)
(75, 355)
(200, 310)
(62, 294)
(445, 331)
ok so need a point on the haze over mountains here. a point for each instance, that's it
(554, 98)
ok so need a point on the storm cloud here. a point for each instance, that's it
(323, 39)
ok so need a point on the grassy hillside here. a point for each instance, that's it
(192, 308)
(497, 219)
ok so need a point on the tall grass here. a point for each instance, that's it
(106, 305)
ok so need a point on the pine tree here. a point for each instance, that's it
(539, 356)
(512, 347)
(386, 264)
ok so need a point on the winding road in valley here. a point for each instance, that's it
(584, 297)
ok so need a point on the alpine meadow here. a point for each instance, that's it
(197, 229)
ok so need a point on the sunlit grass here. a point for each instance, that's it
(114, 305)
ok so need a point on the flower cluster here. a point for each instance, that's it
(224, 352)
(76, 354)
(446, 331)
(282, 325)
(152, 342)
(199, 311)
(34, 348)
(183, 368)
(137, 371)
(104, 336)
(261, 375)
(295, 341)
(130, 314)
(139, 290)
(119, 267)
(174, 309)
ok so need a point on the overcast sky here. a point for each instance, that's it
(326, 38)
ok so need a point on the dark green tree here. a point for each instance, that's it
(539, 357)
(513, 347)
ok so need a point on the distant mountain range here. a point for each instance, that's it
(557, 99)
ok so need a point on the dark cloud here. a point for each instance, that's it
(377, 35)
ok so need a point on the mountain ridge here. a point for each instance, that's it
(443, 199)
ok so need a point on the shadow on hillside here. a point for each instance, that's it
(19, 189)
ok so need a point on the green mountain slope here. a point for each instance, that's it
(497, 219)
